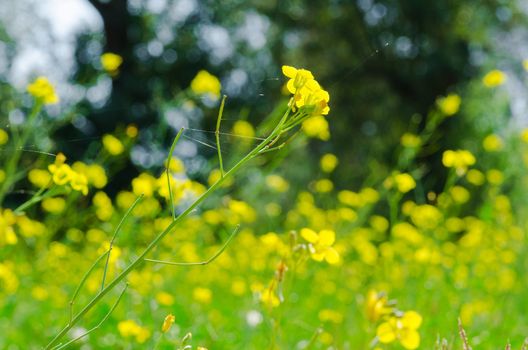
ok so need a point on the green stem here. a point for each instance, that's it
(167, 230)
(19, 145)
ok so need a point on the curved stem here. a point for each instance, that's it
(167, 230)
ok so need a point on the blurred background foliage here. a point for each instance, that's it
(384, 63)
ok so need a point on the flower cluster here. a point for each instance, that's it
(43, 91)
(62, 174)
(308, 96)
(395, 325)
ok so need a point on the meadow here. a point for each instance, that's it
(243, 258)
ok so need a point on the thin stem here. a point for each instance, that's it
(205, 262)
(118, 228)
(169, 159)
(83, 280)
(217, 135)
(100, 323)
(19, 144)
(167, 230)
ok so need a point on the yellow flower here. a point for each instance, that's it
(404, 182)
(410, 140)
(492, 143)
(113, 145)
(202, 295)
(459, 159)
(4, 137)
(61, 174)
(404, 329)
(449, 105)
(243, 128)
(43, 91)
(129, 328)
(320, 245)
(54, 205)
(525, 64)
(277, 183)
(144, 184)
(269, 298)
(377, 305)
(79, 182)
(323, 186)
(111, 62)
(165, 298)
(298, 78)
(39, 177)
(475, 177)
(494, 78)
(307, 93)
(328, 162)
(316, 127)
(167, 323)
(204, 83)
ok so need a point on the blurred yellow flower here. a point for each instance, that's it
(404, 329)
(449, 105)
(492, 143)
(475, 177)
(328, 162)
(244, 129)
(130, 328)
(494, 78)
(525, 64)
(377, 305)
(54, 205)
(323, 186)
(165, 298)
(317, 127)
(459, 159)
(202, 295)
(320, 245)
(43, 91)
(113, 145)
(39, 177)
(204, 83)
(111, 62)
(131, 131)
(410, 140)
(277, 183)
(4, 137)
(404, 182)
(167, 323)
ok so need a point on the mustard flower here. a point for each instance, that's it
(320, 245)
(459, 159)
(494, 78)
(404, 182)
(377, 305)
(298, 78)
(111, 62)
(113, 145)
(449, 105)
(43, 91)
(404, 329)
(204, 83)
(328, 162)
(4, 137)
(167, 323)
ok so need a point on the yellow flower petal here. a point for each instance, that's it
(289, 71)
(409, 339)
(332, 256)
(411, 320)
(309, 235)
(326, 238)
(385, 333)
